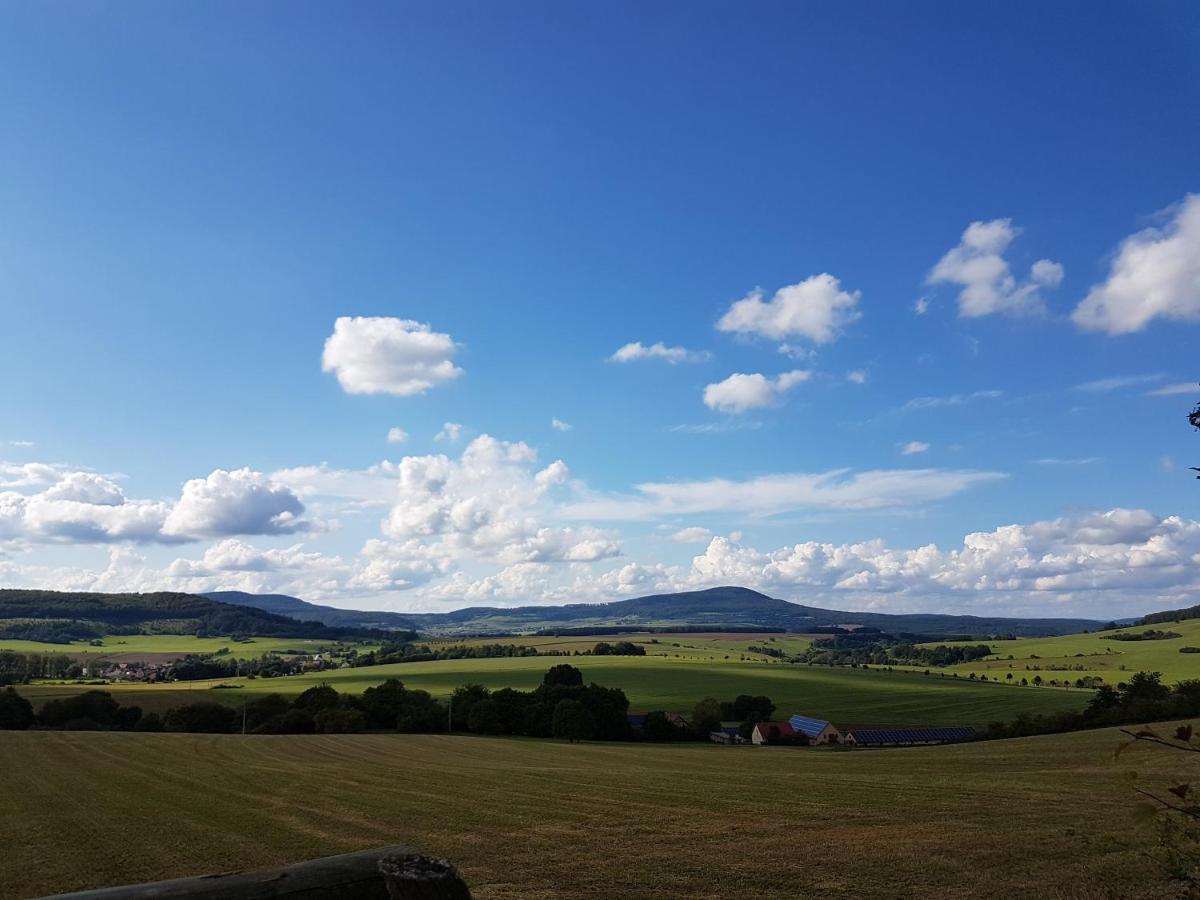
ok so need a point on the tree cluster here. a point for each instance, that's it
(408, 651)
(620, 648)
(1150, 634)
(1144, 698)
(880, 649)
(561, 706)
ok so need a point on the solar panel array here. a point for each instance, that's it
(809, 726)
(912, 735)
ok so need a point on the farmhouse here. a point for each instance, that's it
(726, 734)
(908, 737)
(818, 731)
(771, 733)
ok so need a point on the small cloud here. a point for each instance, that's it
(1153, 275)
(397, 436)
(383, 355)
(857, 376)
(807, 354)
(1117, 382)
(21, 444)
(977, 265)
(948, 400)
(636, 351)
(1167, 464)
(816, 309)
(912, 448)
(740, 392)
(1078, 461)
(560, 425)
(1171, 390)
(716, 427)
(451, 433)
(694, 535)
(921, 306)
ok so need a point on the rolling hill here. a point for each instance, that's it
(295, 608)
(716, 607)
(63, 616)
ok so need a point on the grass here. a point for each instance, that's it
(652, 682)
(155, 646)
(702, 645)
(1074, 655)
(1038, 817)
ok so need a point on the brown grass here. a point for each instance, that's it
(1038, 817)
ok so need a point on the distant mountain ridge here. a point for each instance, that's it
(295, 608)
(720, 606)
(73, 615)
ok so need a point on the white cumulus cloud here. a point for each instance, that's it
(978, 266)
(914, 447)
(241, 501)
(1155, 274)
(740, 392)
(816, 309)
(636, 350)
(383, 355)
(397, 436)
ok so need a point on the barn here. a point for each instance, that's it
(908, 737)
(771, 733)
(818, 731)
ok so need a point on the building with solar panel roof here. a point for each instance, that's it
(883, 736)
(818, 731)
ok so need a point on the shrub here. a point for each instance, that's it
(98, 706)
(339, 720)
(16, 713)
(202, 717)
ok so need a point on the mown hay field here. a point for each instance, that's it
(844, 695)
(1051, 816)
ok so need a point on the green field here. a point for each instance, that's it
(155, 646)
(1035, 817)
(1073, 655)
(695, 645)
(651, 682)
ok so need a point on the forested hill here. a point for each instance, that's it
(296, 608)
(722, 607)
(61, 616)
(1170, 615)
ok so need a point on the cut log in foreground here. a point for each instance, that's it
(386, 873)
(412, 877)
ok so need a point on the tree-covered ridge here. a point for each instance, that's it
(728, 608)
(63, 616)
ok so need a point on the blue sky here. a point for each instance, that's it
(193, 195)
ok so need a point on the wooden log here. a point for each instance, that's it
(413, 877)
(350, 876)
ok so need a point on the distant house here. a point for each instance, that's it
(771, 733)
(908, 737)
(818, 731)
(726, 734)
